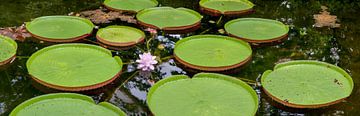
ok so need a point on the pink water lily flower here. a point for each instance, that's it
(146, 62)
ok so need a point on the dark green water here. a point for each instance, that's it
(337, 46)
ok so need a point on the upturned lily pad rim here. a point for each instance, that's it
(62, 40)
(14, 44)
(180, 28)
(286, 27)
(131, 11)
(120, 44)
(204, 75)
(79, 88)
(213, 69)
(65, 95)
(312, 62)
(215, 12)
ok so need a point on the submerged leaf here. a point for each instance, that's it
(99, 16)
(324, 19)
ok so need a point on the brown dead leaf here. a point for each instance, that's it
(17, 33)
(324, 19)
(99, 16)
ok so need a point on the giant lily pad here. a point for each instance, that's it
(212, 52)
(257, 30)
(129, 5)
(169, 19)
(8, 49)
(120, 36)
(65, 104)
(226, 7)
(206, 94)
(74, 67)
(60, 28)
(307, 84)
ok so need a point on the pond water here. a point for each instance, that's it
(337, 46)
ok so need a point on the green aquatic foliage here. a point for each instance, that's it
(212, 50)
(168, 17)
(227, 5)
(256, 29)
(60, 27)
(65, 104)
(203, 95)
(8, 48)
(121, 34)
(74, 65)
(307, 84)
(130, 5)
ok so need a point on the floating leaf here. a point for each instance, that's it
(257, 30)
(16, 33)
(74, 67)
(65, 104)
(206, 94)
(8, 48)
(212, 52)
(120, 36)
(168, 18)
(129, 5)
(307, 84)
(324, 19)
(60, 28)
(226, 7)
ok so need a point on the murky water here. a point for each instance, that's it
(337, 46)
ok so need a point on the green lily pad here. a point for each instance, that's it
(130, 5)
(8, 49)
(206, 94)
(168, 17)
(212, 51)
(60, 28)
(74, 67)
(224, 6)
(120, 35)
(307, 84)
(65, 104)
(257, 29)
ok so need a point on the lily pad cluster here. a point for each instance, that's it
(80, 67)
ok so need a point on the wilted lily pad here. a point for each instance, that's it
(307, 84)
(8, 49)
(74, 67)
(206, 94)
(129, 5)
(167, 18)
(212, 52)
(60, 28)
(120, 35)
(65, 104)
(257, 30)
(226, 7)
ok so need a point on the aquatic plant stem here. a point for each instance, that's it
(148, 43)
(248, 81)
(22, 57)
(220, 19)
(132, 76)
(167, 58)
(122, 84)
(205, 31)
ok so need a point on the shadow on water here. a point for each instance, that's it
(337, 46)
